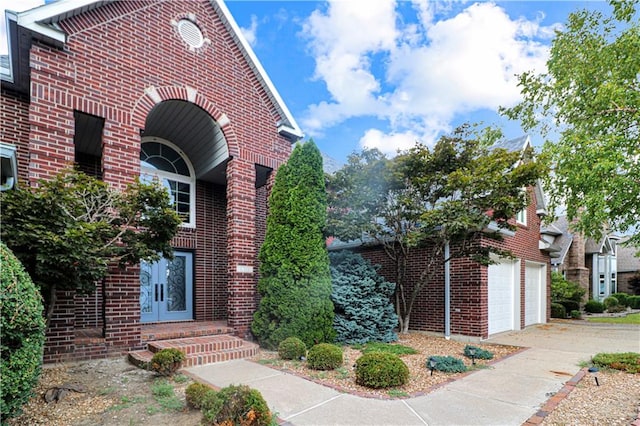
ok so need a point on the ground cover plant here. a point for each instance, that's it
(392, 348)
(627, 361)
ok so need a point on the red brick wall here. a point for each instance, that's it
(117, 60)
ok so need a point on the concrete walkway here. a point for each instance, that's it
(507, 394)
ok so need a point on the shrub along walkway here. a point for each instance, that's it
(511, 392)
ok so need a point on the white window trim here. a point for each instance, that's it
(191, 180)
(521, 217)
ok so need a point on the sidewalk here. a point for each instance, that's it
(509, 393)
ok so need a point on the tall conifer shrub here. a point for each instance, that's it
(295, 281)
(363, 308)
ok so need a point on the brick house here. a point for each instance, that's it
(602, 267)
(483, 300)
(129, 89)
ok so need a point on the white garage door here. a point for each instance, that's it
(501, 297)
(534, 294)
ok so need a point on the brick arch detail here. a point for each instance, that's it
(154, 95)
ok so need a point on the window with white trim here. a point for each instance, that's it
(521, 217)
(164, 163)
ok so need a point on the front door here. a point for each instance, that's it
(166, 289)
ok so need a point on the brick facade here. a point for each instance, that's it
(119, 62)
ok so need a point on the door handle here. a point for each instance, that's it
(162, 292)
(156, 293)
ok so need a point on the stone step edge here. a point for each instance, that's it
(193, 345)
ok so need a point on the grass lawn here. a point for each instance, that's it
(629, 319)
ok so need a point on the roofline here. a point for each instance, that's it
(289, 128)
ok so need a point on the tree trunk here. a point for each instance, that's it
(51, 306)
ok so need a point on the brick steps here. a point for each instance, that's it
(198, 350)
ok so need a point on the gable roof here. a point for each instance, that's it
(41, 23)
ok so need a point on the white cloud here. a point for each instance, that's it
(417, 76)
(250, 33)
(389, 143)
(16, 6)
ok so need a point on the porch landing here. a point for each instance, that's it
(201, 342)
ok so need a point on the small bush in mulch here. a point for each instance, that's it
(626, 361)
(195, 394)
(236, 405)
(479, 352)
(292, 348)
(576, 314)
(381, 370)
(447, 364)
(167, 361)
(391, 348)
(324, 356)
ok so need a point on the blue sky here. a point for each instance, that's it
(384, 74)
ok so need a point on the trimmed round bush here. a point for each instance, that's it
(623, 298)
(576, 314)
(634, 302)
(195, 394)
(324, 356)
(381, 370)
(236, 405)
(22, 328)
(167, 361)
(610, 302)
(594, 307)
(448, 364)
(292, 348)
(558, 311)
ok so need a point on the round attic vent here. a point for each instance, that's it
(190, 33)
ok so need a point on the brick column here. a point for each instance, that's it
(122, 310)
(241, 240)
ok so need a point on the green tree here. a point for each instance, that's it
(587, 106)
(431, 197)
(21, 334)
(295, 282)
(68, 230)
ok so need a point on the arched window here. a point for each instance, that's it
(161, 161)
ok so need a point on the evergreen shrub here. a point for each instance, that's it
(448, 364)
(634, 302)
(22, 328)
(570, 305)
(623, 298)
(479, 354)
(295, 281)
(626, 361)
(195, 394)
(576, 314)
(167, 361)
(236, 405)
(324, 356)
(362, 301)
(381, 370)
(292, 348)
(594, 307)
(610, 302)
(558, 311)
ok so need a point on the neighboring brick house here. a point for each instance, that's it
(137, 88)
(484, 300)
(628, 267)
(591, 264)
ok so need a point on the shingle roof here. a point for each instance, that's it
(628, 258)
